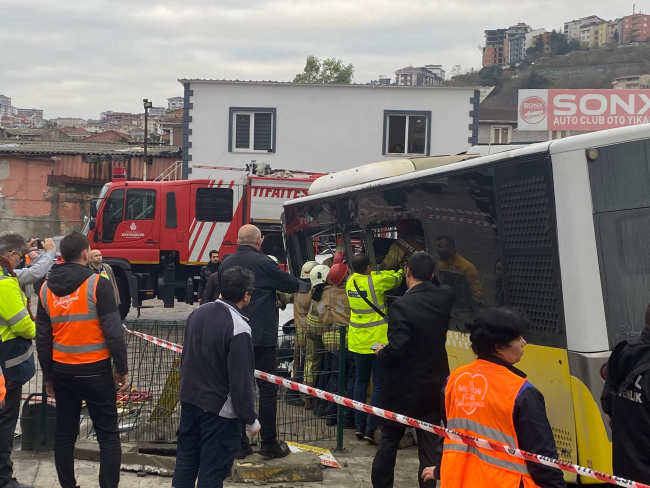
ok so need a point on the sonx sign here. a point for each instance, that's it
(583, 110)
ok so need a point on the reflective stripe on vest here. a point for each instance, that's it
(370, 311)
(10, 363)
(499, 463)
(479, 402)
(15, 319)
(77, 334)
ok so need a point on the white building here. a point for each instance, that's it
(5, 107)
(174, 103)
(321, 127)
(530, 37)
(572, 29)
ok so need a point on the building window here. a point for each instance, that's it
(558, 134)
(407, 132)
(500, 135)
(252, 130)
(214, 204)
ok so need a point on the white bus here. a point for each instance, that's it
(560, 229)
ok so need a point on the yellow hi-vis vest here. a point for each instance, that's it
(367, 327)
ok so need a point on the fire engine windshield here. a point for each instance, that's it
(102, 194)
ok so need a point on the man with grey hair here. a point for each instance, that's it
(262, 318)
(17, 329)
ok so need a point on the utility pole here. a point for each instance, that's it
(147, 106)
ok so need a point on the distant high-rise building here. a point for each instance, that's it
(635, 28)
(5, 107)
(33, 115)
(175, 103)
(573, 28)
(496, 51)
(429, 75)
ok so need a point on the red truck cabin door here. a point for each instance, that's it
(130, 226)
(214, 205)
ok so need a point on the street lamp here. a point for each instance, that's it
(147, 106)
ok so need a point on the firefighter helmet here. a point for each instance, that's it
(306, 269)
(337, 273)
(318, 274)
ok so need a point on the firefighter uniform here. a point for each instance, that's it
(314, 343)
(368, 327)
(464, 279)
(17, 329)
(479, 402)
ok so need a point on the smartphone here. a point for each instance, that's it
(376, 345)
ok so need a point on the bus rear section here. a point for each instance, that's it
(557, 230)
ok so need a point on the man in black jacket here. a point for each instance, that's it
(78, 331)
(216, 394)
(263, 320)
(415, 366)
(626, 399)
(207, 271)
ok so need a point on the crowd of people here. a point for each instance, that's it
(394, 359)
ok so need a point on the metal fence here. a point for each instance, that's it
(149, 412)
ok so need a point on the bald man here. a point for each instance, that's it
(262, 316)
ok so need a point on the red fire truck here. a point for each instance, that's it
(156, 235)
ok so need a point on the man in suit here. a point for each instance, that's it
(415, 366)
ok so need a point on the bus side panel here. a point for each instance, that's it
(548, 370)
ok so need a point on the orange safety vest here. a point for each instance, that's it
(3, 390)
(77, 333)
(479, 401)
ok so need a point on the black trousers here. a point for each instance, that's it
(265, 360)
(350, 374)
(383, 466)
(98, 391)
(207, 445)
(8, 420)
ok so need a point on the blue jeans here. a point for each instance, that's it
(207, 445)
(365, 365)
(350, 378)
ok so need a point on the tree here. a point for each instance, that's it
(330, 70)
(535, 80)
(490, 75)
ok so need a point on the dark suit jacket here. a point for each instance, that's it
(415, 359)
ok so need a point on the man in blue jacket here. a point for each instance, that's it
(262, 317)
(216, 385)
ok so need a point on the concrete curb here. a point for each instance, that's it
(296, 467)
(132, 460)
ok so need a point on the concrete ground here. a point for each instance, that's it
(38, 469)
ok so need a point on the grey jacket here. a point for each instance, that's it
(40, 265)
(111, 278)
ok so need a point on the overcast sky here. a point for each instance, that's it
(76, 58)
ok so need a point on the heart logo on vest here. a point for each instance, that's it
(470, 390)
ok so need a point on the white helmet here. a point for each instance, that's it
(318, 274)
(306, 268)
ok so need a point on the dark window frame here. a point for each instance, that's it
(252, 110)
(426, 113)
(133, 191)
(200, 209)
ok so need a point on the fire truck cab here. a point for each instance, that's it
(156, 235)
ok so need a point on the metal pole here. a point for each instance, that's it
(144, 169)
(340, 408)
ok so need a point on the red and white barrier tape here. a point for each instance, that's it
(402, 419)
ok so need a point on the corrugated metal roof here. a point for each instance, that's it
(105, 148)
(288, 83)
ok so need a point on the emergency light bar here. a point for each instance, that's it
(119, 173)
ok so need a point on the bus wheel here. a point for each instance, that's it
(125, 297)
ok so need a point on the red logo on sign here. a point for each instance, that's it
(533, 110)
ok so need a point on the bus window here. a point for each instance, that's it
(460, 228)
(112, 215)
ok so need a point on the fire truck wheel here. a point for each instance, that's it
(125, 297)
